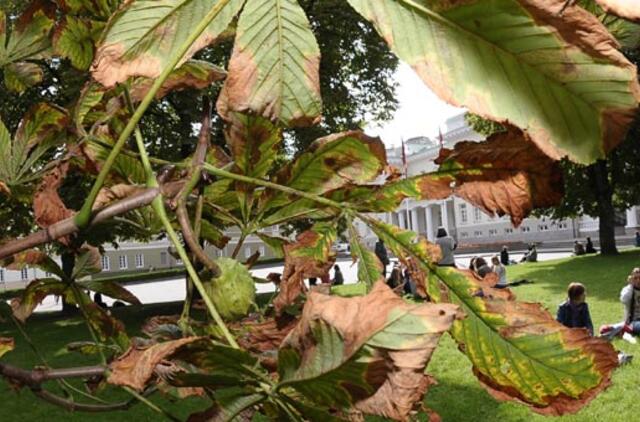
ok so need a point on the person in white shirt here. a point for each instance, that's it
(499, 269)
(447, 246)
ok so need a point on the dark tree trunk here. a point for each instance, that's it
(599, 175)
(68, 262)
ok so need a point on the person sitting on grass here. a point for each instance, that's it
(479, 266)
(574, 312)
(499, 269)
(630, 298)
(531, 255)
(338, 279)
(578, 248)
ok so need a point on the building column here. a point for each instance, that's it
(401, 219)
(632, 217)
(445, 215)
(429, 213)
(414, 220)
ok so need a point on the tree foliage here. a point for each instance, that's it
(312, 355)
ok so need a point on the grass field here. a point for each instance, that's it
(457, 397)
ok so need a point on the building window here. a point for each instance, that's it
(563, 226)
(106, 263)
(477, 233)
(24, 274)
(1, 275)
(123, 262)
(493, 232)
(163, 258)
(476, 214)
(262, 250)
(508, 230)
(464, 234)
(178, 261)
(247, 252)
(139, 260)
(543, 227)
(525, 229)
(463, 213)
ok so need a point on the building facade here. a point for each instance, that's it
(469, 225)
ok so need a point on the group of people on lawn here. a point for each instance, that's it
(574, 312)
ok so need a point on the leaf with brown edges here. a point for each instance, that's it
(628, 9)
(309, 256)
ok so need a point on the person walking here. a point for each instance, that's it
(383, 256)
(338, 278)
(504, 255)
(447, 246)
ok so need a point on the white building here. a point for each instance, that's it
(468, 224)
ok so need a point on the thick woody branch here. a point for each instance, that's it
(37, 376)
(34, 379)
(69, 226)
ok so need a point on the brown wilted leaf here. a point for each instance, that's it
(507, 174)
(4, 188)
(115, 193)
(402, 337)
(47, 204)
(136, 367)
(31, 257)
(258, 337)
(195, 74)
(628, 9)
(309, 256)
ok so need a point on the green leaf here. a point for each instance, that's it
(562, 80)
(19, 76)
(369, 266)
(111, 289)
(213, 235)
(275, 243)
(233, 292)
(142, 36)
(331, 163)
(30, 35)
(87, 348)
(74, 39)
(274, 67)
(517, 349)
(38, 132)
(229, 403)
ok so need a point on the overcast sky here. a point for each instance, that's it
(420, 111)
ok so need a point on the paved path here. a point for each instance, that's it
(172, 290)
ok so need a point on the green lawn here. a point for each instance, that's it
(457, 397)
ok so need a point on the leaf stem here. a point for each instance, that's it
(252, 180)
(161, 212)
(83, 217)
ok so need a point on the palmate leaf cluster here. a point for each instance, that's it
(548, 71)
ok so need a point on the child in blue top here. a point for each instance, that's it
(574, 312)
